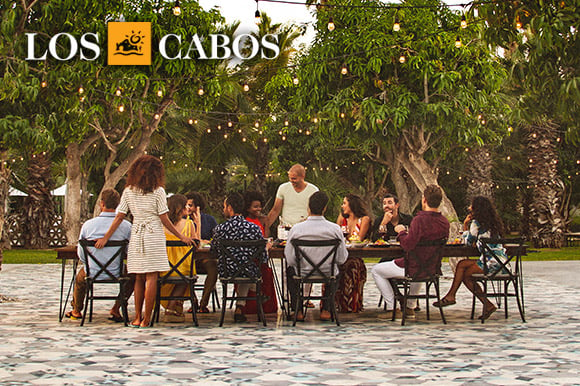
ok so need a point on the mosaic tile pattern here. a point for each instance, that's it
(37, 349)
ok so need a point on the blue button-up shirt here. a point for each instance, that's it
(96, 228)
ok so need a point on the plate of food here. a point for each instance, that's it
(357, 244)
(380, 243)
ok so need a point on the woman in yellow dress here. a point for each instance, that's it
(178, 215)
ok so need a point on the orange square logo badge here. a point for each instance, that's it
(129, 43)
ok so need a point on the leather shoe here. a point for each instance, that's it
(325, 315)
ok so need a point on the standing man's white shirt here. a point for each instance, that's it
(295, 204)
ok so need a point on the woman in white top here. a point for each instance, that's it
(145, 197)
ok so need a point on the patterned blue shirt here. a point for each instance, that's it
(237, 228)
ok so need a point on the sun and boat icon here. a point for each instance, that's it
(131, 45)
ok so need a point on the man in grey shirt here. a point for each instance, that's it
(316, 227)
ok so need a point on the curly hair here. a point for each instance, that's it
(249, 197)
(357, 205)
(176, 204)
(483, 210)
(146, 174)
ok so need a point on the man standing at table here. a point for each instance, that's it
(428, 225)
(94, 229)
(292, 198)
(316, 227)
(384, 227)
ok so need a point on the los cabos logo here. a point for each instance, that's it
(129, 43)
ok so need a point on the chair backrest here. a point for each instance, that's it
(116, 253)
(502, 264)
(317, 268)
(185, 264)
(232, 249)
(424, 261)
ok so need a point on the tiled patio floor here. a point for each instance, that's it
(37, 349)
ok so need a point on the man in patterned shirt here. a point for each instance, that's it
(237, 228)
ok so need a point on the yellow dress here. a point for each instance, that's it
(175, 254)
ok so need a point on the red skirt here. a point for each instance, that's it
(271, 305)
(351, 282)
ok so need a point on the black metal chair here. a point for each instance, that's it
(316, 274)
(226, 251)
(428, 271)
(104, 275)
(508, 272)
(179, 273)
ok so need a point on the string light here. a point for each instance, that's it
(200, 92)
(396, 24)
(230, 124)
(342, 115)
(402, 59)
(156, 116)
(190, 121)
(295, 80)
(463, 22)
(330, 25)
(118, 91)
(121, 108)
(286, 123)
(159, 93)
(82, 98)
(81, 89)
(43, 84)
(246, 87)
(344, 70)
(458, 42)
(177, 8)
(257, 124)
(518, 23)
(208, 130)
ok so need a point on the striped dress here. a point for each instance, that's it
(147, 252)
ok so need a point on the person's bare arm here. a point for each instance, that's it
(171, 228)
(100, 243)
(340, 219)
(274, 212)
(364, 228)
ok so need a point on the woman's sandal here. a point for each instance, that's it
(444, 303)
(487, 313)
(72, 317)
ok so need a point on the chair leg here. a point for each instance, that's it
(520, 302)
(224, 302)
(193, 299)
(404, 304)
(438, 293)
(485, 297)
(505, 297)
(87, 295)
(299, 302)
(334, 312)
(427, 289)
(259, 300)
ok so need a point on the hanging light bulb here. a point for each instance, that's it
(118, 91)
(402, 58)
(330, 25)
(82, 98)
(246, 87)
(156, 116)
(344, 70)
(257, 124)
(257, 17)
(159, 93)
(176, 8)
(342, 115)
(295, 80)
(121, 108)
(315, 120)
(458, 43)
(43, 84)
(81, 89)
(190, 121)
(200, 91)
(518, 23)
(463, 22)
(230, 124)
(286, 123)
(397, 24)
(209, 130)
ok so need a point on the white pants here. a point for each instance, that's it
(382, 272)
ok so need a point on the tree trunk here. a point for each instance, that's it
(547, 224)
(261, 166)
(39, 210)
(4, 188)
(422, 175)
(478, 173)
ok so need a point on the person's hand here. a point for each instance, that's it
(269, 243)
(399, 228)
(387, 217)
(100, 243)
(467, 221)
(186, 240)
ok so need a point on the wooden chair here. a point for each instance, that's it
(428, 272)
(102, 274)
(316, 274)
(226, 251)
(508, 272)
(179, 273)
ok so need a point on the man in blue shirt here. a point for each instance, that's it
(94, 229)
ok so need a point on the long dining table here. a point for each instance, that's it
(383, 252)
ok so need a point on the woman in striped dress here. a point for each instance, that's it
(144, 196)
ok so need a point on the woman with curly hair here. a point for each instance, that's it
(481, 222)
(145, 197)
(355, 224)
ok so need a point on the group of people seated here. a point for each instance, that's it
(182, 217)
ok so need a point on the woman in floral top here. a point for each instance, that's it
(481, 222)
